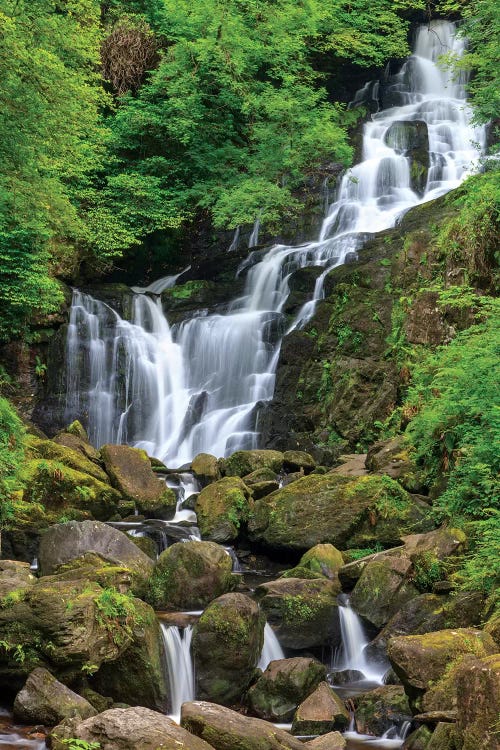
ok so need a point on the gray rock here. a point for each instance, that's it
(44, 700)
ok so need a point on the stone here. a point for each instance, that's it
(297, 460)
(189, 575)
(260, 475)
(228, 730)
(322, 712)
(303, 612)
(478, 703)
(392, 457)
(419, 660)
(77, 429)
(128, 729)
(15, 578)
(67, 455)
(350, 573)
(417, 740)
(379, 709)
(445, 737)
(245, 462)
(44, 700)
(227, 643)
(324, 559)
(330, 741)
(130, 472)
(411, 138)
(383, 588)
(206, 468)
(284, 684)
(261, 489)
(492, 627)
(64, 543)
(222, 509)
(441, 543)
(79, 445)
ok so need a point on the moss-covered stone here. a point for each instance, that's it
(444, 737)
(478, 703)
(206, 468)
(76, 428)
(324, 559)
(130, 472)
(227, 642)
(322, 712)
(222, 509)
(418, 740)
(330, 741)
(45, 700)
(298, 460)
(377, 710)
(260, 475)
(384, 587)
(189, 575)
(68, 456)
(304, 611)
(244, 462)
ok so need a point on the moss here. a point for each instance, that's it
(186, 291)
(244, 462)
(73, 459)
(222, 508)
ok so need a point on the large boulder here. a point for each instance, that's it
(379, 709)
(340, 510)
(284, 684)
(228, 730)
(65, 543)
(297, 461)
(478, 703)
(322, 712)
(15, 577)
(244, 462)
(189, 575)
(227, 642)
(392, 457)
(67, 455)
(420, 660)
(304, 612)
(330, 741)
(44, 700)
(129, 470)
(384, 587)
(127, 729)
(222, 508)
(206, 468)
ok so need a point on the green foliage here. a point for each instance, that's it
(427, 570)
(76, 744)
(115, 609)
(482, 566)
(11, 457)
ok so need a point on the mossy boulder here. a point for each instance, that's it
(188, 575)
(304, 612)
(392, 457)
(222, 509)
(261, 489)
(418, 740)
(227, 643)
(323, 558)
(244, 462)
(45, 700)
(444, 737)
(229, 730)
(297, 461)
(130, 472)
(478, 703)
(384, 587)
(92, 567)
(15, 578)
(322, 712)
(66, 455)
(127, 729)
(206, 468)
(260, 475)
(420, 660)
(284, 684)
(378, 710)
(330, 741)
(77, 429)
(68, 440)
(492, 627)
(335, 509)
(60, 488)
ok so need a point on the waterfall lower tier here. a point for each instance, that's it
(271, 648)
(197, 386)
(177, 643)
(351, 654)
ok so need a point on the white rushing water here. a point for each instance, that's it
(271, 648)
(196, 387)
(177, 643)
(351, 654)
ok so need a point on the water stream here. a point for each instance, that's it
(177, 391)
(351, 654)
(177, 644)
(271, 648)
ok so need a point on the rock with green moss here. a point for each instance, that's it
(305, 612)
(222, 509)
(379, 709)
(80, 446)
(130, 472)
(188, 575)
(261, 489)
(298, 460)
(59, 487)
(45, 700)
(322, 712)
(146, 545)
(260, 475)
(330, 741)
(229, 730)
(66, 455)
(478, 703)
(492, 627)
(445, 737)
(392, 457)
(384, 587)
(245, 462)
(332, 508)
(323, 558)
(227, 642)
(138, 676)
(126, 729)
(418, 740)
(15, 578)
(206, 468)
(284, 684)
(77, 429)
(420, 660)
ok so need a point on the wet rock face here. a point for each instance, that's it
(44, 700)
(128, 729)
(284, 684)
(190, 575)
(379, 709)
(411, 139)
(227, 642)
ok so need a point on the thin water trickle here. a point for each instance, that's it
(271, 649)
(178, 391)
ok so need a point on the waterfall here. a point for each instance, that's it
(271, 648)
(177, 391)
(236, 239)
(177, 644)
(351, 655)
(254, 237)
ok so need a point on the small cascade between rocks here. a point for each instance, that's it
(351, 656)
(197, 386)
(181, 680)
(271, 648)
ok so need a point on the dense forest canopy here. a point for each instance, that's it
(125, 120)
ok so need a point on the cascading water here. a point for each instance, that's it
(271, 648)
(177, 643)
(196, 387)
(351, 654)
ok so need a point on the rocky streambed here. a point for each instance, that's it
(316, 597)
